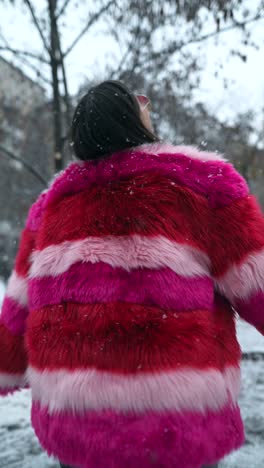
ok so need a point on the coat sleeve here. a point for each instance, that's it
(15, 309)
(237, 250)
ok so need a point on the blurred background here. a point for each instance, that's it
(201, 64)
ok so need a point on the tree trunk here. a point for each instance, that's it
(55, 63)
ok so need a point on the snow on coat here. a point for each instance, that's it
(120, 311)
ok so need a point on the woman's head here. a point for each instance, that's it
(109, 118)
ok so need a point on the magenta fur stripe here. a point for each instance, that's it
(188, 389)
(217, 180)
(114, 440)
(127, 252)
(8, 391)
(13, 316)
(87, 283)
(11, 382)
(17, 288)
(252, 309)
(242, 280)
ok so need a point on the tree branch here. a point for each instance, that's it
(130, 47)
(89, 23)
(56, 101)
(24, 59)
(66, 93)
(174, 46)
(25, 53)
(63, 8)
(116, 73)
(66, 97)
(11, 155)
(36, 69)
(36, 23)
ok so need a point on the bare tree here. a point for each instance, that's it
(156, 40)
(9, 154)
(53, 55)
(153, 35)
(149, 33)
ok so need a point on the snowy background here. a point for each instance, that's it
(19, 447)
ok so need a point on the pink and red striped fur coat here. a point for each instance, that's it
(120, 311)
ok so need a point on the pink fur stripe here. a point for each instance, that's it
(11, 381)
(87, 283)
(13, 316)
(17, 289)
(189, 389)
(112, 440)
(125, 252)
(242, 280)
(191, 151)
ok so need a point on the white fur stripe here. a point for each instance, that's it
(242, 280)
(8, 381)
(191, 151)
(188, 389)
(126, 252)
(17, 289)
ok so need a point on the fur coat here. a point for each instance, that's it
(120, 311)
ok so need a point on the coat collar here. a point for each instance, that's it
(79, 175)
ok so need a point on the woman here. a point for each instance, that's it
(120, 312)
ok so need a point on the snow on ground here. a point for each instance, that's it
(251, 402)
(250, 340)
(19, 447)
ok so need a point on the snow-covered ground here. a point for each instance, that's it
(251, 402)
(19, 447)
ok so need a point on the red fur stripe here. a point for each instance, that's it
(26, 247)
(236, 231)
(128, 207)
(13, 358)
(130, 338)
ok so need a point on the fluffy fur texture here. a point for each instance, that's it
(181, 390)
(26, 247)
(14, 316)
(173, 213)
(236, 232)
(13, 359)
(216, 180)
(191, 151)
(85, 283)
(17, 288)
(128, 253)
(252, 309)
(35, 213)
(11, 382)
(121, 258)
(114, 440)
(130, 338)
(242, 280)
(9, 390)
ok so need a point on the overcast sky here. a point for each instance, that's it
(246, 80)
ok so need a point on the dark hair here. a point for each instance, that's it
(107, 119)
